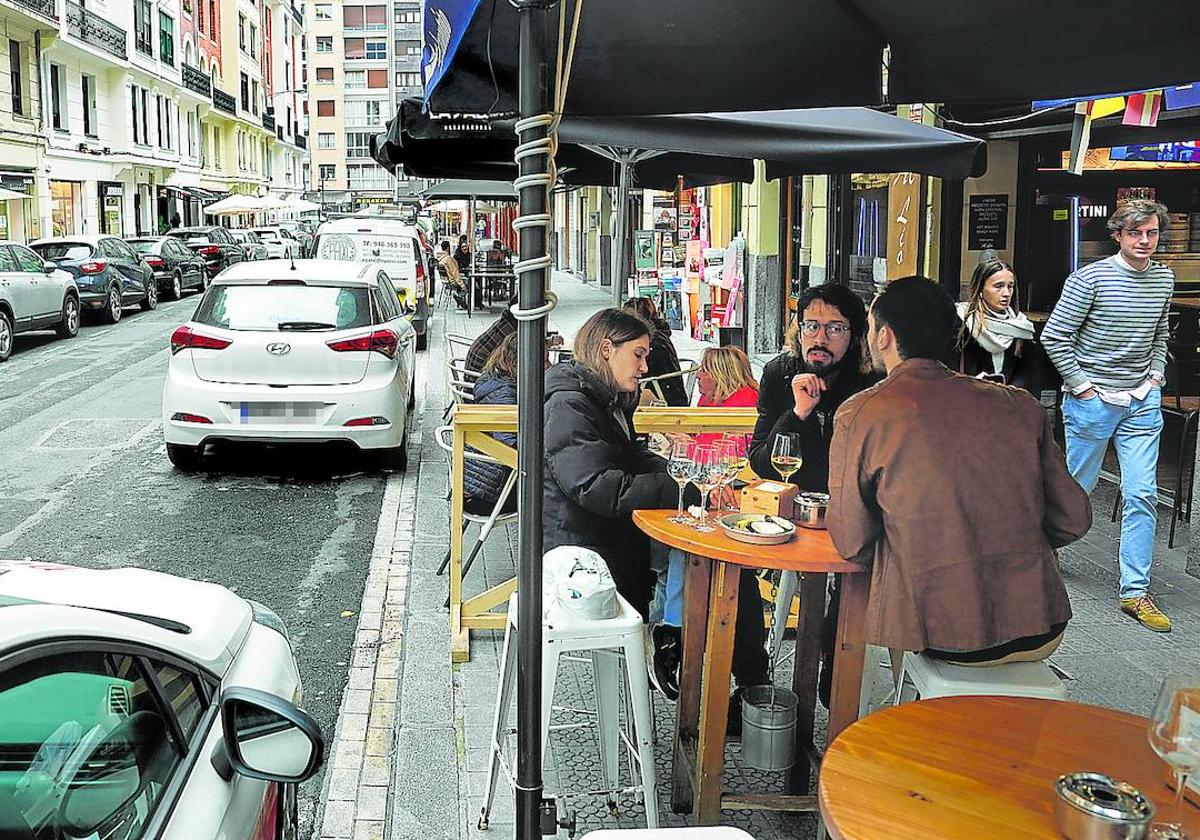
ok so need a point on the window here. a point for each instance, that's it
(324, 75)
(200, 16)
(367, 176)
(377, 79)
(413, 16)
(27, 260)
(58, 96)
(324, 43)
(325, 140)
(326, 107)
(212, 19)
(254, 96)
(328, 171)
(355, 79)
(352, 17)
(363, 111)
(253, 41)
(245, 92)
(324, 11)
(358, 144)
(166, 39)
(355, 47)
(16, 77)
(87, 86)
(191, 134)
(113, 736)
(145, 96)
(141, 27)
(139, 99)
(158, 115)
(242, 32)
(376, 49)
(408, 79)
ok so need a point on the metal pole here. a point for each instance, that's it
(624, 235)
(534, 99)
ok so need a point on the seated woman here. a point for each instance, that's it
(724, 379)
(663, 358)
(598, 473)
(992, 331)
(482, 481)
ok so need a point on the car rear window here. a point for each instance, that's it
(191, 237)
(63, 250)
(287, 307)
(142, 246)
(267, 235)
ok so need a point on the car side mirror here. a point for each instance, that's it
(269, 738)
(49, 266)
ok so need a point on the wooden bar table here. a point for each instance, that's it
(710, 593)
(961, 768)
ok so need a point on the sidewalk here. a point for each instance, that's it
(437, 746)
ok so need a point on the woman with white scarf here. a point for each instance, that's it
(993, 331)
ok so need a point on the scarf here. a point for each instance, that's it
(997, 332)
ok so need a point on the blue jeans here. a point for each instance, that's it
(1135, 431)
(673, 589)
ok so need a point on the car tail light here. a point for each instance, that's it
(184, 417)
(367, 421)
(154, 262)
(210, 250)
(186, 338)
(381, 341)
(93, 266)
(420, 286)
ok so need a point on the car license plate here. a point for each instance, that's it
(279, 413)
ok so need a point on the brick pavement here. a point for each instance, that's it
(438, 746)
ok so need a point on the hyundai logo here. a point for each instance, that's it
(279, 348)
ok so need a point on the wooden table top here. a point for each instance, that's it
(810, 551)
(971, 767)
(503, 418)
(1186, 302)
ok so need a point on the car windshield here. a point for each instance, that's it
(142, 246)
(283, 307)
(63, 250)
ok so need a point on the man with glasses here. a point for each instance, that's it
(1108, 338)
(826, 362)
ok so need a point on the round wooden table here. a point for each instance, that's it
(972, 767)
(710, 596)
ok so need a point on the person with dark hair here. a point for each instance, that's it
(453, 276)
(598, 472)
(663, 358)
(956, 494)
(993, 333)
(482, 481)
(824, 364)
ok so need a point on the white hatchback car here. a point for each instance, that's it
(279, 352)
(280, 242)
(141, 705)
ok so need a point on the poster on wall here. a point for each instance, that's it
(665, 216)
(645, 256)
(987, 222)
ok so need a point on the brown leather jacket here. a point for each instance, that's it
(957, 493)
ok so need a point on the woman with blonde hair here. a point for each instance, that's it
(725, 379)
(993, 332)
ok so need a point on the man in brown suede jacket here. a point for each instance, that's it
(956, 493)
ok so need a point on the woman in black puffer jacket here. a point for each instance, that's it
(483, 482)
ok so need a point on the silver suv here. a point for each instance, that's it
(34, 295)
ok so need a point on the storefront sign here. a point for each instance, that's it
(904, 224)
(987, 222)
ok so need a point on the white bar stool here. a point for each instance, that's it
(717, 832)
(605, 639)
(931, 677)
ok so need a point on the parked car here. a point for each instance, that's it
(395, 247)
(277, 352)
(109, 273)
(176, 267)
(280, 243)
(252, 247)
(34, 295)
(302, 233)
(138, 704)
(213, 243)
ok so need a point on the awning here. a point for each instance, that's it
(638, 57)
(458, 188)
(12, 195)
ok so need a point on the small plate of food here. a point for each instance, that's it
(757, 528)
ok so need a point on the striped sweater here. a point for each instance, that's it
(1109, 327)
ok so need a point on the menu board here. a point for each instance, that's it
(987, 222)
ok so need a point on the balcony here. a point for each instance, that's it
(197, 81)
(89, 27)
(301, 141)
(222, 101)
(268, 119)
(42, 8)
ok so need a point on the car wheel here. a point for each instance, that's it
(6, 336)
(68, 327)
(185, 458)
(150, 301)
(396, 458)
(112, 310)
(176, 286)
(422, 340)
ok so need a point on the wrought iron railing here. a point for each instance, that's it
(45, 8)
(88, 26)
(301, 141)
(268, 119)
(197, 81)
(223, 101)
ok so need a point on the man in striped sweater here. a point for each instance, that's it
(1108, 338)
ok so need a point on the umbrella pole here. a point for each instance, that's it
(532, 270)
(624, 188)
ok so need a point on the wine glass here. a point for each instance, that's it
(732, 462)
(705, 472)
(1174, 734)
(679, 467)
(785, 455)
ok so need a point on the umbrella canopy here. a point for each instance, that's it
(233, 205)
(11, 195)
(635, 57)
(303, 205)
(457, 188)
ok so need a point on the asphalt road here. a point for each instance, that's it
(84, 479)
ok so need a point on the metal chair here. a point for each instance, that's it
(686, 374)
(458, 345)
(460, 382)
(445, 439)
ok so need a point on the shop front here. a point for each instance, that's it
(66, 213)
(18, 218)
(112, 207)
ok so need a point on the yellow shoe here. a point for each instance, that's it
(1147, 613)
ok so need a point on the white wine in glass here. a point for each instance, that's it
(1174, 734)
(785, 455)
(679, 467)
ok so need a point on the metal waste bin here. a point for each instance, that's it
(769, 727)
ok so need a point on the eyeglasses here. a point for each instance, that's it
(1140, 234)
(834, 329)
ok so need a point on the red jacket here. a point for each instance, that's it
(741, 398)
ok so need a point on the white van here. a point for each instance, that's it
(392, 245)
